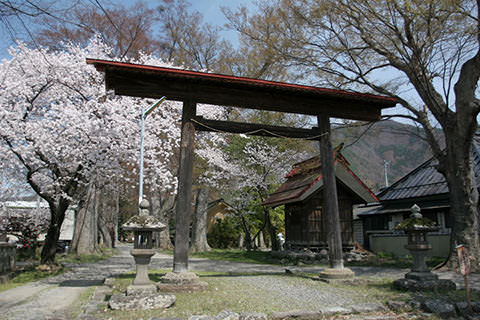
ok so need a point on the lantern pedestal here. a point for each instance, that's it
(142, 283)
(142, 260)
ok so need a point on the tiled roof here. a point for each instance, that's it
(425, 180)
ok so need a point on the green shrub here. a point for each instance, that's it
(224, 234)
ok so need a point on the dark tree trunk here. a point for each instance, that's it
(105, 233)
(162, 208)
(248, 235)
(458, 171)
(199, 228)
(272, 231)
(57, 215)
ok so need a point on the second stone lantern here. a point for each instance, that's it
(420, 278)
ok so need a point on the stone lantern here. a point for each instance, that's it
(416, 227)
(420, 277)
(143, 226)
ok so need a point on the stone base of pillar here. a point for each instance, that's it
(181, 281)
(141, 289)
(334, 274)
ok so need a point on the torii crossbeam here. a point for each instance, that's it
(192, 87)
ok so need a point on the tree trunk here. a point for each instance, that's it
(57, 215)
(114, 229)
(248, 235)
(241, 240)
(85, 236)
(272, 231)
(106, 217)
(104, 233)
(199, 228)
(162, 208)
(458, 171)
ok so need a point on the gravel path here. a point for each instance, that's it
(303, 294)
(56, 297)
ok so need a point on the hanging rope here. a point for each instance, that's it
(254, 132)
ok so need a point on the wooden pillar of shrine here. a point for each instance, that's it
(184, 195)
(330, 198)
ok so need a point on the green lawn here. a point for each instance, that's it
(26, 276)
(32, 274)
(86, 258)
(240, 293)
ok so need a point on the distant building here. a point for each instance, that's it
(423, 186)
(216, 211)
(302, 195)
(37, 208)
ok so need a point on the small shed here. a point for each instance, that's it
(302, 195)
(216, 211)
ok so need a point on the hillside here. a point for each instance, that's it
(385, 140)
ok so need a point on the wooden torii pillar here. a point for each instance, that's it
(184, 196)
(330, 199)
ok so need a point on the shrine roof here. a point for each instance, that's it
(306, 177)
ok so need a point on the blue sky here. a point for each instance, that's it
(210, 10)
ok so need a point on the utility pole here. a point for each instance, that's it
(145, 113)
(386, 163)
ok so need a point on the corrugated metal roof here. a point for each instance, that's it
(405, 207)
(425, 180)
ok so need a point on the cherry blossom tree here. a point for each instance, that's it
(67, 133)
(250, 167)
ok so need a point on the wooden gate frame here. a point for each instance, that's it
(192, 88)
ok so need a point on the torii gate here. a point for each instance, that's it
(216, 89)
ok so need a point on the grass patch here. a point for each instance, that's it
(262, 257)
(268, 293)
(256, 293)
(87, 258)
(28, 275)
(77, 307)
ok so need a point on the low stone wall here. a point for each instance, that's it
(7, 257)
(395, 244)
